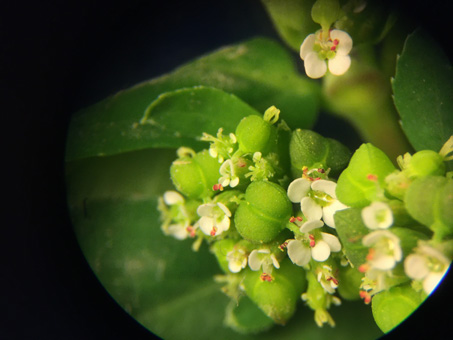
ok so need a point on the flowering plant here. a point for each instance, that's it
(259, 206)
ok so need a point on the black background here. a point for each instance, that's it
(59, 56)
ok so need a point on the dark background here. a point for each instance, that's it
(59, 56)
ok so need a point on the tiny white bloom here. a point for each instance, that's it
(317, 199)
(237, 260)
(173, 197)
(263, 258)
(428, 265)
(333, 47)
(301, 251)
(215, 218)
(229, 177)
(326, 279)
(386, 249)
(221, 147)
(176, 221)
(377, 215)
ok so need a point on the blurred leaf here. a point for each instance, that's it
(292, 20)
(423, 92)
(160, 281)
(351, 230)
(258, 71)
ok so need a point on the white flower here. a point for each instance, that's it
(228, 173)
(221, 147)
(263, 258)
(333, 46)
(215, 218)
(377, 215)
(301, 251)
(176, 220)
(386, 250)
(326, 279)
(428, 265)
(237, 260)
(317, 199)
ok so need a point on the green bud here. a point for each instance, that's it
(425, 163)
(325, 12)
(363, 180)
(429, 200)
(392, 307)
(308, 148)
(195, 175)
(255, 134)
(264, 213)
(349, 280)
(277, 295)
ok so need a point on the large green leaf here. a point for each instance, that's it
(160, 281)
(423, 92)
(259, 71)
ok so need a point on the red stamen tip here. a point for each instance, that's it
(363, 268)
(372, 177)
(266, 277)
(191, 231)
(217, 186)
(213, 231)
(333, 48)
(299, 218)
(292, 219)
(336, 42)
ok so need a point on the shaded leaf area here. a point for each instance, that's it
(259, 71)
(160, 281)
(351, 230)
(423, 92)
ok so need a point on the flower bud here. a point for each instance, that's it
(255, 134)
(392, 307)
(278, 294)
(425, 163)
(308, 148)
(264, 213)
(194, 176)
(429, 200)
(360, 183)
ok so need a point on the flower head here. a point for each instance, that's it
(385, 250)
(222, 147)
(428, 265)
(229, 176)
(176, 218)
(377, 215)
(263, 258)
(237, 260)
(333, 46)
(215, 218)
(317, 199)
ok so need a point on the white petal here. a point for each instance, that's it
(307, 45)
(321, 251)
(431, 281)
(235, 266)
(384, 262)
(415, 267)
(310, 209)
(332, 241)
(224, 181)
(345, 41)
(224, 225)
(339, 64)
(298, 253)
(224, 209)
(328, 212)
(205, 209)
(172, 197)
(275, 262)
(314, 66)
(178, 231)
(310, 225)
(255, 260)
(206, 224)
(234, 182)
(377, 215)
(298, 189)
(373, 237)
(327, 187)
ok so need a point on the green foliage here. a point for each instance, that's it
(422, 92)
(258, 71)
(355, 188)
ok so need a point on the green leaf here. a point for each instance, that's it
(160, 281)
(258, 71)
(292, 20)
(351, 230)
(423, 89)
